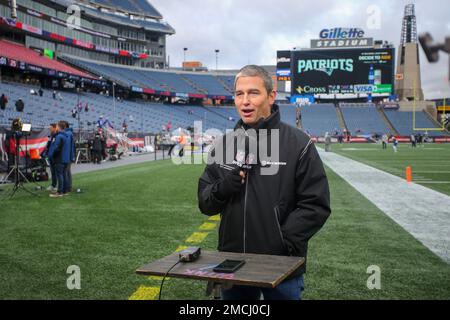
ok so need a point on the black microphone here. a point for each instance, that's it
(245, 159)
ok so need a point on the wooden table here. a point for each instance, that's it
(264, 271)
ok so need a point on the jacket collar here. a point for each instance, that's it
(63, 133)
(272, 122)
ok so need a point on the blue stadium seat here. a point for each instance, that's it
(137, 6)
(140, 116)
(363, 119)
(403, 122)
(156, 80)
(317, 119)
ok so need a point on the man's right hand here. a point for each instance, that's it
(231, 184)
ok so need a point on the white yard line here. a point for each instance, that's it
(431, 171)
(422, 212)
(434, 182)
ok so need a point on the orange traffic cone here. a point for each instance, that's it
(408, 174)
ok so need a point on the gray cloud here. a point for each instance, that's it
(251, 31)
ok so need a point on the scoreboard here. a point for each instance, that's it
(342, 71)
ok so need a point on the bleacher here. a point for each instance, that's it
(173, 81)
(403, 122)
(139, 116)
(147, 24)
(288, 114)
(363, 119)
(208, 84)
(151, 117)
(18, 52)
(317, 119)
(227, 112)
(228, 82)
(137, 6)
(157, 80)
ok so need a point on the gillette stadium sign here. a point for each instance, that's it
(341, 38)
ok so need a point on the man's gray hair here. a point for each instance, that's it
(255, 71)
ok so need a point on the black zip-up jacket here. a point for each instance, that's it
(272, 214)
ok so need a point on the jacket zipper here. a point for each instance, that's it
(278, 224)
(245, 211)
(222, 226)
(245, 202)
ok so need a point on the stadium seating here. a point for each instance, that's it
(317, 119)
(148, 11)
(116, 74)
(288, 114)
(138, 6)
(209, 84)
(140, 116)
(172, 80)
(403, 122)
(18, 52)
(152, 117)
(363, 119)
(156, 80)
(227, 81)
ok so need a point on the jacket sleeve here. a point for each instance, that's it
(208, 203)
(72, 151)
(47, 149)
(313, 202)
(55, 148)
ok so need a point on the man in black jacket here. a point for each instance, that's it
(268, 204)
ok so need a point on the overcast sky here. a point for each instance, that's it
(251, 31)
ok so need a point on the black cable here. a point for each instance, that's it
(164, 278)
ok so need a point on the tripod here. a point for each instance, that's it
(19, 177)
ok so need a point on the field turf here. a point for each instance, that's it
(126, 217)
(430, 163)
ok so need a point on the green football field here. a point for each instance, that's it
(430, 163)
(126, 217)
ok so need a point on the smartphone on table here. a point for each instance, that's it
(229, 266)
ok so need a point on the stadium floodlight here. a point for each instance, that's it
(432, 48)
(114, 104)
(217, 58)
(184, 56)
(13, 7)
(161, 48)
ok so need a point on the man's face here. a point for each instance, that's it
(252, 100)
(52, 130)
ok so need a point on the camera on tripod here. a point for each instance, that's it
(20, 129)
(18, 174)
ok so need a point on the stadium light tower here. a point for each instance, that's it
(184, 56)
(77, 88)
(161, 48)
(114, 104)
(13, 7)
(408, 85)
(217, 59)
